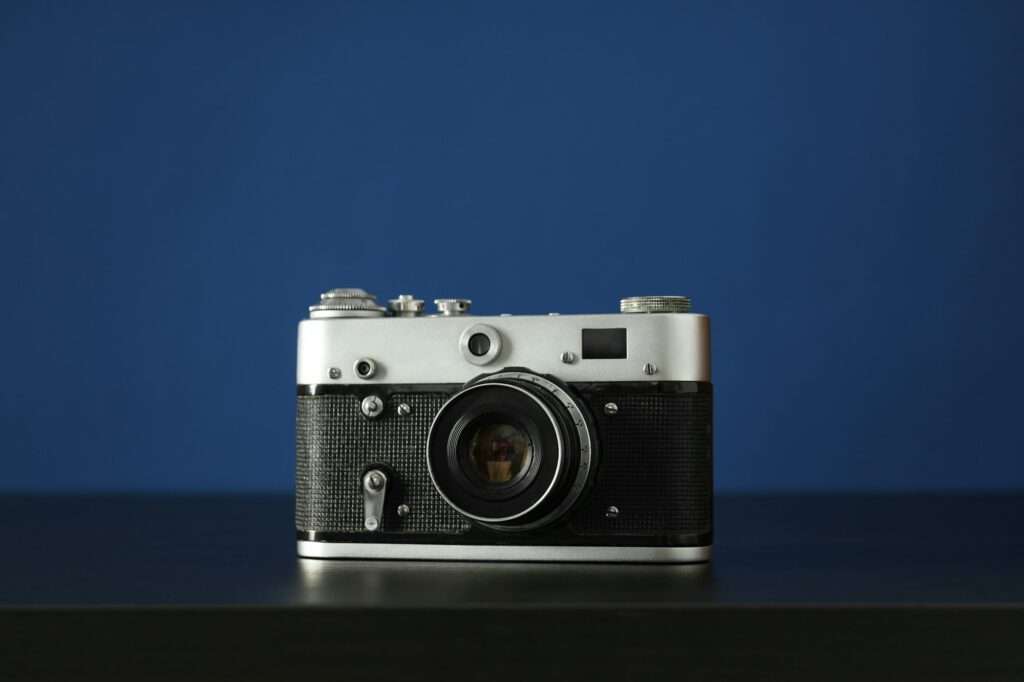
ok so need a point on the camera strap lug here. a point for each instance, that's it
(375, 486)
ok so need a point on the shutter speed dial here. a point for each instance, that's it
(655, 304)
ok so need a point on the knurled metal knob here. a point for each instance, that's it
(655, 304)
(451, 307)
(406, 305)
(347, 302)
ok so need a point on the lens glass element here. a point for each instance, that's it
(479, 344)
(498, 453)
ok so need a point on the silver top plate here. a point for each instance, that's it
(413, 350)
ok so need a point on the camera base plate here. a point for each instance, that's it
(558, 553)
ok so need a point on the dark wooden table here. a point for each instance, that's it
(927, 587)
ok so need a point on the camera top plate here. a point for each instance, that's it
(653, 339)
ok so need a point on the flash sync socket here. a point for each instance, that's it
(365, 368)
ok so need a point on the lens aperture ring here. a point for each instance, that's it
(576, 449)
(582, 430)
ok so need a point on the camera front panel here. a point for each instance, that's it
(335, 444)
(655, 476)
(651, 483)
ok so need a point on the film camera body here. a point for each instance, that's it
(522, 438)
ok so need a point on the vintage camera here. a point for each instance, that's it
(521, 438)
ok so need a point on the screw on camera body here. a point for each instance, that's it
(372, 406)
(374, 480)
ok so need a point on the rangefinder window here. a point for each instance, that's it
(604, 344)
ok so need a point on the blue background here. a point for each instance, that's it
(837, 184)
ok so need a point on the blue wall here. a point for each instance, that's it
(838, 184)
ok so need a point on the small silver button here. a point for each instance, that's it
(451, 307)
(406, 305)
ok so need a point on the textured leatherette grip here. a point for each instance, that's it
(659, 472)
(335, 443)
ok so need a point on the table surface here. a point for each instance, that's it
(238, 550)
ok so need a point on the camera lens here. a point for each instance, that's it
(512, 450)
(497, 453)
(479, 344)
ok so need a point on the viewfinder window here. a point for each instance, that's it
(604, 344)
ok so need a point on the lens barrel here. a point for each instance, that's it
(512, 450)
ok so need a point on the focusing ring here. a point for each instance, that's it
(551, 397)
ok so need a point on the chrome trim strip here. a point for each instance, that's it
(380, 550)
